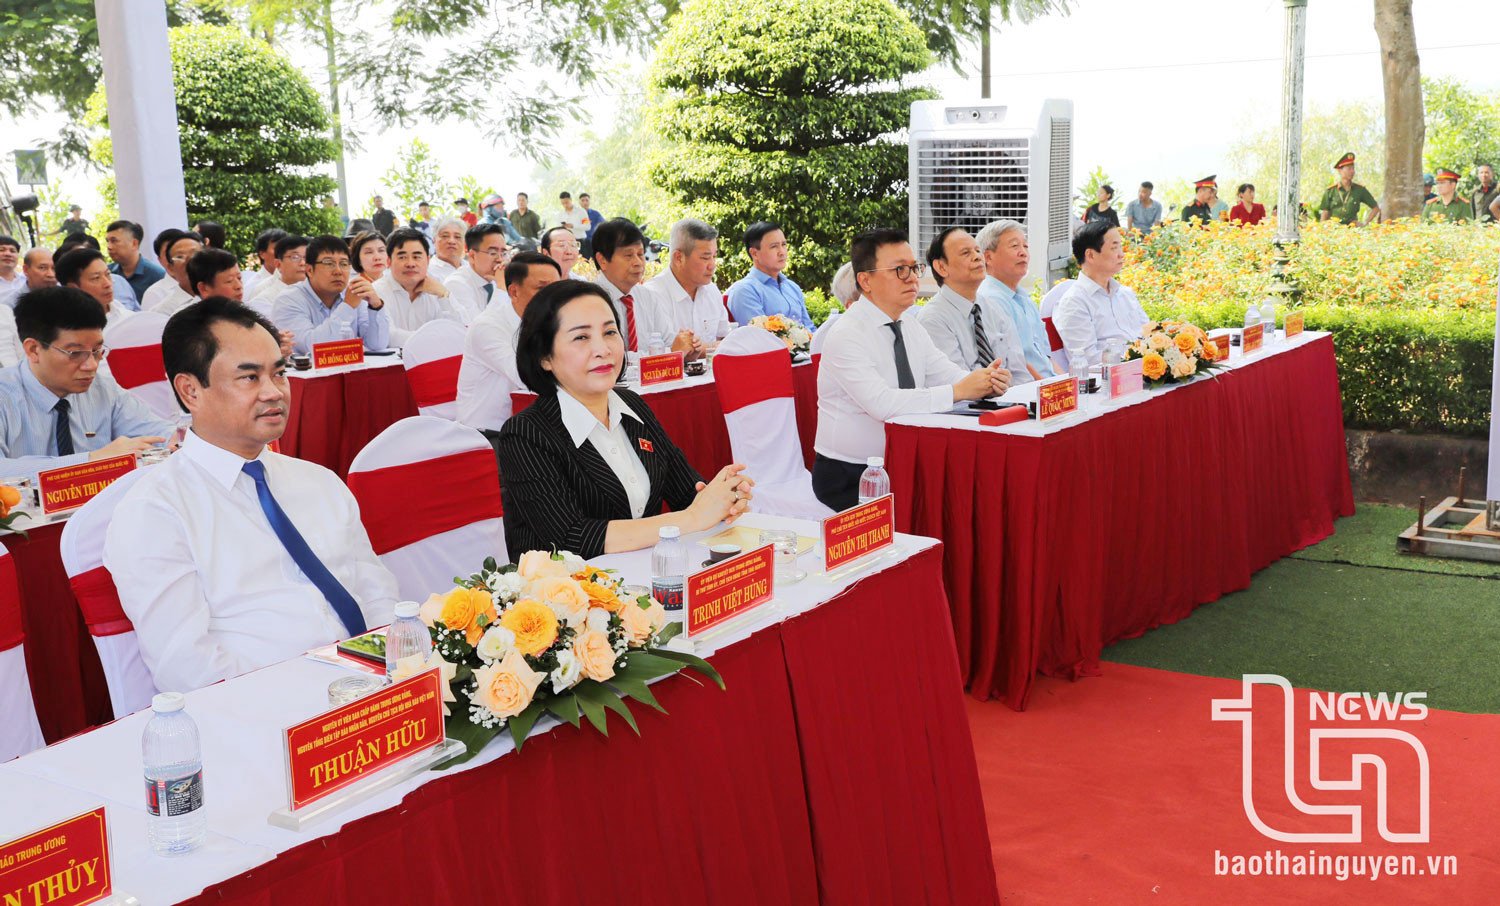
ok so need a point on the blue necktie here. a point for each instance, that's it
(343, 603)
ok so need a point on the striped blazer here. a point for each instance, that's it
(556, 495)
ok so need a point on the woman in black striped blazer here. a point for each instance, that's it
(587, 466)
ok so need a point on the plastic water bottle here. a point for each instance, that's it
(1252, 316)
(173, 761)
(668, 567)
(655, 346)
(874, 483)
(1268, 317)
(406, 637)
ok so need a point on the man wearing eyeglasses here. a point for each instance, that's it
(55, 408)
(175, 292)
(319, 310)
(291, 269)
(473, 285)
(879, 363)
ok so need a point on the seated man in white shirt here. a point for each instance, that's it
(620, 255)
(562, 246)
(877, 364)
(56, 407)
(970, 332)
(216, 272)
(318, 310)
(683, 305)
(447, 247)
(1097, 310)
(173, 292)
(12, 281)
(229, 557)
(473, 285)
(291, 269)
(412, 298)
(488, 376)
(86, 269)
(265, 250)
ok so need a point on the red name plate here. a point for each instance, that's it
(337, 748)
(859, 531)
(1293, 324)
(1221, 341)
(66, 864)
(1056, 398)
(71, 487)
(728, 589)
(338, 352)
(1126, 378)
(661, 369)
(1253, 338)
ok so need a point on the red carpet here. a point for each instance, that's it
(1122, 790)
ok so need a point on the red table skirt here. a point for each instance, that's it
(67, 682)
(334, 415)
(837, 768)
(694, 420)
(1057, 546)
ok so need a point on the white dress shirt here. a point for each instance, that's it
(857, 385)
(466, 289)
(948, 320)
(668, 310)
(267, 290)
(1089, 315)
(407, 314)
(249, 280)
(440, 270)
(641, 339)
(488, 374)
(116, 314)
(11, 288)
(11, 350)
(210, 587)
(612, 443)
(167, 297)
(576, 220)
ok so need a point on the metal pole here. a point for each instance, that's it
(1289, 190)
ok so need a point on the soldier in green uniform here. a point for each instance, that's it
(1202, 208)
(1343, 199)
(1448, 204)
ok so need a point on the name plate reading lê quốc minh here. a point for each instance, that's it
(1056, 398)
(70, 487)
(730, 588)
(338, 352)
(661, 369)
(66, 864)
(353, 751)
(858, 532)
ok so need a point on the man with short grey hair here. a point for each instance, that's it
(682, 304)
(1007, 257)
(447, 247)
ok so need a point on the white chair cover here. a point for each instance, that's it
(19, 731)
(131, 685)
(432, 355)
(135, 351)
(764, 434)
(1049, 305)
(821, 334)
(420, 473)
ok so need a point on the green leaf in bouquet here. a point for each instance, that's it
(667, 633)
(564, 707)
(590, 704)
(473, 736)
(637, 689)
(521, 724)
(691, 660)
(605, 697)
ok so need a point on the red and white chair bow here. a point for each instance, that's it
(429, 496)
(135, 361)
(820, 336)
(753, 375)
(1054, 339)
(82, 546)
(432, 355)
(19, 731)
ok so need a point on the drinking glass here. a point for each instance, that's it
(784, 543)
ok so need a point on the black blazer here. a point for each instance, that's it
(560, 496)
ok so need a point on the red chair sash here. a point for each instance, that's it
(434, 383)
(1053, 337)
(11, 631)
(137, 366)
(401, 505)
(100, 602)
(743, 380)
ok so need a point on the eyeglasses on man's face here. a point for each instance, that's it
(903, 271)
(335, 264)
(79, 356)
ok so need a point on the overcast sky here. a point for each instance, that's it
(1161, 88)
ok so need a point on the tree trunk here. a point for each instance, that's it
(984, 53)
(330, 45)
(1405, 130)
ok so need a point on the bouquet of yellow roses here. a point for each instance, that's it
(1173, 352)
(549, 634)
(796, 337)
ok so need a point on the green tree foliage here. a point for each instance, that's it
(780, 111)
(417, 176)
(1463, 130)
(254, 136)
(1326, 134)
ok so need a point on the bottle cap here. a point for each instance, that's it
(167, 702)
(669, 531)
(407, 609)
(876, 462)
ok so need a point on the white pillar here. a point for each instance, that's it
(1289, 190)
(142, 114)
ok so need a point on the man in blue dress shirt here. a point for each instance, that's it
(318, 310)
(56, 409)
(1007, 256)
(765, 291)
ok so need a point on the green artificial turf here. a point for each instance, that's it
(1375, 623)
(1369, 539)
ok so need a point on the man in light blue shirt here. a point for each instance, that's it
(318, 310)
(765, 291)
(1143, 213)
(125, 296)
(1007, 256)
(55, 408)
